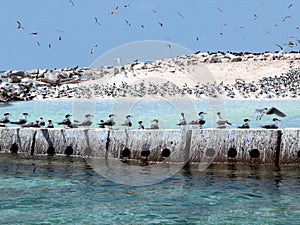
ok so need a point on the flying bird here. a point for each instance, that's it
(50, 46)
(59, 38)
(127, 23)
(281, 48)
(259, 112)
(115, 10)
(93, 49)
(142, 26)
(153, 10)
(285, 18)
(97, 21)
(72, 2)
(20, 26)
(34, 33)
(220, 10)
(255, 17)
(38, 43)
(290, 6)
(161, 24)
(180, 15)
(126, 6)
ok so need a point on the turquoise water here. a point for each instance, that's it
(167, 111)
(63, 190)
(66, 190)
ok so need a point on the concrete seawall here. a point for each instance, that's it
(196, 146)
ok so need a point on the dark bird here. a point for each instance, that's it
(20, 26)
(50, 124)
(180, 15)
(66, 121)
(5, 119)
(274, 125)
(34, 33)
(114, 11)
(271, 111)
(127, 23)
(38, 43)
(197, 38)
(141, 126)
(41, 122)
(290, 5)
(21, 121)
(245, 124)
(142, 26)
(281, 48)
(110, 122)
(255, 17)
(93, 49)
(49, 45)
(126, 6)
(101, 124)
(59, 38)
(221, 122)
(168, 45)
(72, 2)
(200, 121)
(97, 21)
(161, 24)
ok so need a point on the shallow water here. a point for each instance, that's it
(64, 190)
(167, 111)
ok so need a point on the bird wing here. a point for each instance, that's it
(275, 111)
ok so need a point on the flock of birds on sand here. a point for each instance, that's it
(291, 43)
(110, 123)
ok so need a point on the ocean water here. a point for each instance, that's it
(66, 190)
(167, 111)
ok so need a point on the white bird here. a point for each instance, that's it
(259, 112)
(221, 122)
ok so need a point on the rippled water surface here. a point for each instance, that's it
(65, 190)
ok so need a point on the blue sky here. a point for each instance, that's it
(219, 25)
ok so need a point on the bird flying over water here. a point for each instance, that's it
(34, 33)
(72, 2)
(127, 23)
(259, 112)
(180, 15)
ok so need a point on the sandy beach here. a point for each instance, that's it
(200, 75)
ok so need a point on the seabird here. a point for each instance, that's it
(59, 38)
(259, 112)
(290, 5)
(154, 124)
(97, 21)
(127, 23)
(5, 119)
(67, 121)
(221, 122)
(20, 26)
(274, 125)
(245, 124)
(110, 122)
(200, 121)
(141, 126)
(285, 18)
(72, 2)
(101, 125)
(21, 121)
(127, 122)
(50, 124)
(93, 49)
(41, 122)
(86, 122)
(180, 15)
(161, 24)
(34, 33)
(126, 6)
(182, 120)
(31, 124)
(114, 11)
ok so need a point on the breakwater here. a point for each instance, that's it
(179, 145)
